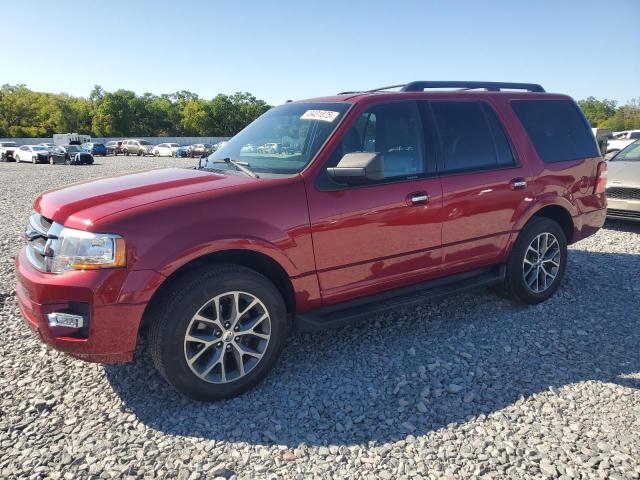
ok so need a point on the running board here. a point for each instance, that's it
(338, 315)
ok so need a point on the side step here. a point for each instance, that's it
(338, 315)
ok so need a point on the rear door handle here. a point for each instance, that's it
(518, 184)
(417, 198)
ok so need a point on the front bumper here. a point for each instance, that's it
(627, 209)
(113, 326)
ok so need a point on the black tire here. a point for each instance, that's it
(515, 286)
(140, 153)
(171, 319)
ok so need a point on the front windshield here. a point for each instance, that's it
(630, 154)
(144, 142)
(9, 144)
(283, 140)
(37, 148)
(72, 148)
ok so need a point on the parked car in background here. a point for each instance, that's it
(165, 149)
(6, 151)
(269, 148)
(114, 147)
(137, 147)
(623, 188)
(31, 153)
(249, 148)
(72, 155)
(200, 150)
(218, 145)
(70, 151)
(183, 151)
(95, 148)
(222, 261)
(620, 140)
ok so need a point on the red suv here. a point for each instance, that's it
(370, 201)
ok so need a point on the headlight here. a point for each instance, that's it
(80, 250)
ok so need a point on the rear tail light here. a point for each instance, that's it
(601, 178)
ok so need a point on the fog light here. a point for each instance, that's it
(65, 320)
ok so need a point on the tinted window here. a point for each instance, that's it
(634, 135)
(557, 128)
(471, 135)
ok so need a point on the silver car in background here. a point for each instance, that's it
(623, 186)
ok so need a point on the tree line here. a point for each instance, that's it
(607, 114)
(25, 113)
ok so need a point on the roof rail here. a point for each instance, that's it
(491, 86)
(400, 85)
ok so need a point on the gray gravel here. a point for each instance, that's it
(468, 387)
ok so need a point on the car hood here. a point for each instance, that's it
(82, 204)
(623, 173)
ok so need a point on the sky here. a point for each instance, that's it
(280, 50)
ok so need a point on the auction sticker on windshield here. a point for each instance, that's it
(322, 115)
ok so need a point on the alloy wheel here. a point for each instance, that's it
(541, 262)
(227, 337)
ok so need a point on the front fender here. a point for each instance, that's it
(220, 245)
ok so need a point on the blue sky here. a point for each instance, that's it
(281, 50)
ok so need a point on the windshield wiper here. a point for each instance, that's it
(240, 166)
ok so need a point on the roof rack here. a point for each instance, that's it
(419, 86)
(491, 86)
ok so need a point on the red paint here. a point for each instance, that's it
(333, 245)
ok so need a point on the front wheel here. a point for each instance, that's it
(537, 262)
(218, 333)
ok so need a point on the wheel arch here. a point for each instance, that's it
(559, 213)
(257, 261)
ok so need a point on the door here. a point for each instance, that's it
(382, 235)
(484, 185)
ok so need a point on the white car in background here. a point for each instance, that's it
(165, 150)
(31, 153)
(6, 151)
(620, 140)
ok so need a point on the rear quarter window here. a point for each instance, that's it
(558, 130)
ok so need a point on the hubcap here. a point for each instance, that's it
(541, 262)
(227, 337)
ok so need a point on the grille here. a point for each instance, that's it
(616, 212)
(626, 193)
(37, 234)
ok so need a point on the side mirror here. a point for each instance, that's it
(358, 167)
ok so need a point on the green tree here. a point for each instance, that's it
(597, 111)
(25, 113)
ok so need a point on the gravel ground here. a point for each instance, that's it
(469, 387)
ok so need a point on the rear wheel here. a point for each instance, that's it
(537, 262)
(218, 333)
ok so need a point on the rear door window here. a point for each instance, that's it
(471, 136)
(558, 130)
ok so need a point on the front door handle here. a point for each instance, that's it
(518, 184)
(417, 198)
